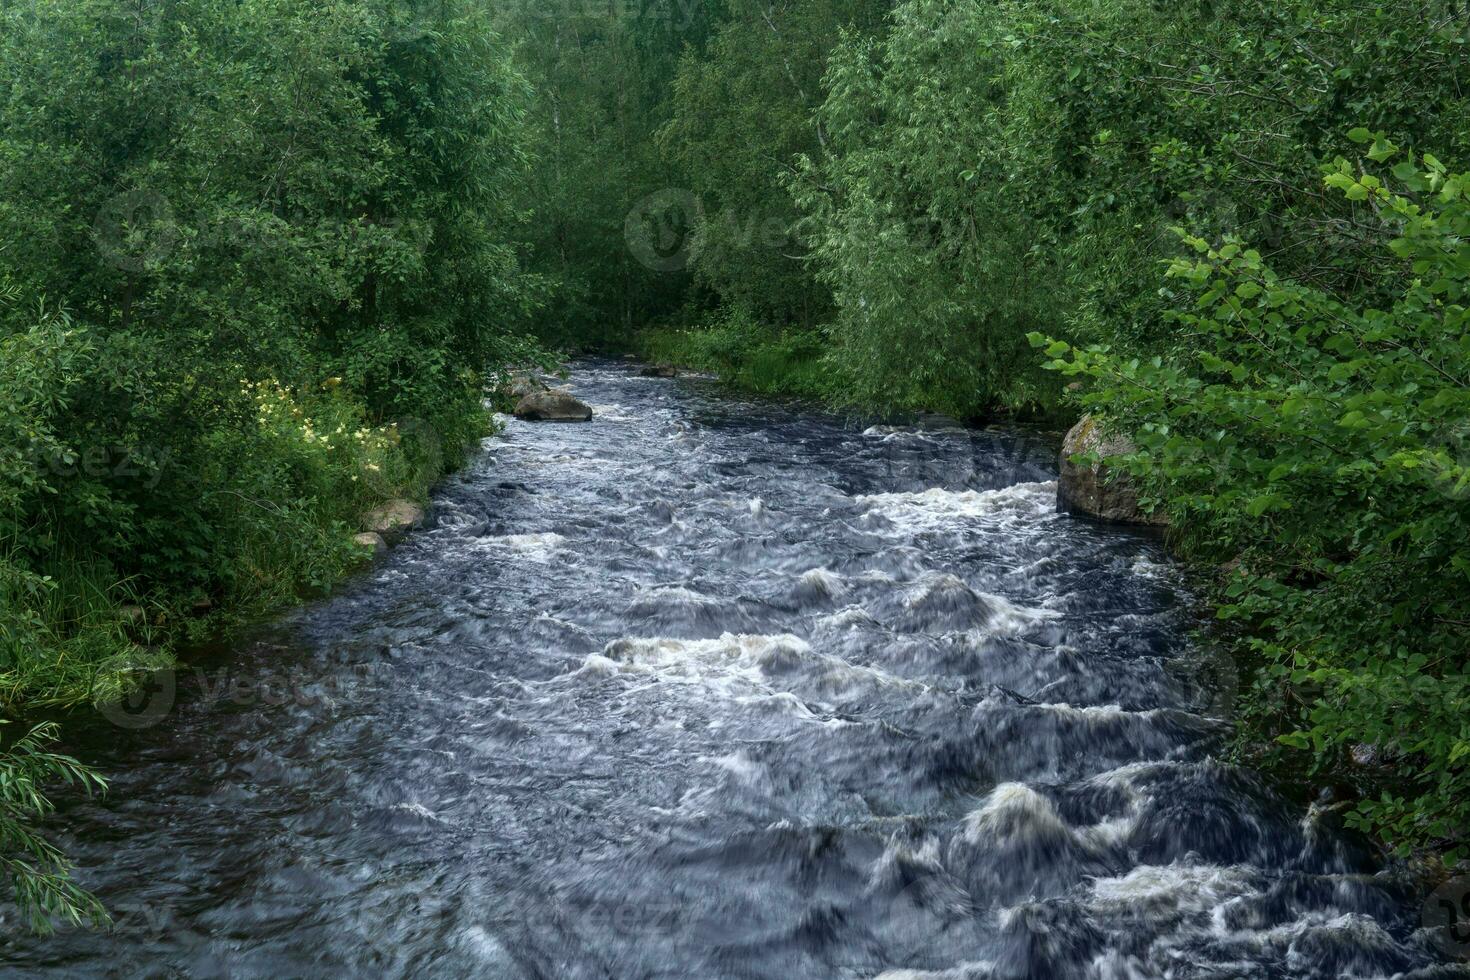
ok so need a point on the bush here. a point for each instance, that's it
(279, 313)
(734, 345)
(992, 170)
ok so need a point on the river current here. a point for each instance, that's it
(706, 689)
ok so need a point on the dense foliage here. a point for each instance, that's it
(600, 74)
(741, 116)
(255, 261)
(998, 169)
(1323, 446)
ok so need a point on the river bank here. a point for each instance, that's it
(80, 648)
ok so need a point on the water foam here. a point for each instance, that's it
(938, 509)
(539, 547)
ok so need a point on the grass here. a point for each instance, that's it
(748, 356)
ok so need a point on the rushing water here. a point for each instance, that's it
(713, 689)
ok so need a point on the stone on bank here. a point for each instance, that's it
(370, 541)
(393, 520)
(1094, 489)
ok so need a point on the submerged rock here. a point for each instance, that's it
(1096, 490)
(393, 520)
(553, 406)
(659, 371)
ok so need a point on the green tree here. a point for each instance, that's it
(742, 113)
(999, 169)
(256, 260)
(601, 74)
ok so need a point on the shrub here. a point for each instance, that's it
(733, 344)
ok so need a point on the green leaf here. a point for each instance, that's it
(1266, 501)
(1382, 150)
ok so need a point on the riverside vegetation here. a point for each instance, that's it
(258, 260)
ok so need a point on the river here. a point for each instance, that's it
(710, 688)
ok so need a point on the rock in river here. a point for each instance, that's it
(553, 406)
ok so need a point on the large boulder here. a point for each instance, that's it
(556, 405)
(393, 520)
(1094, 490)
(659, 371)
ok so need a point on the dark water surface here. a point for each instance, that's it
(714, 689)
